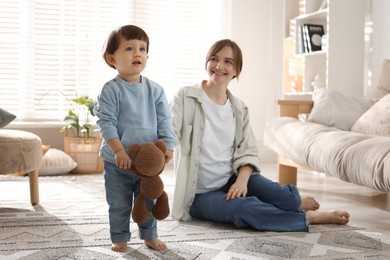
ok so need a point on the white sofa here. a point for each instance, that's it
(347, 137)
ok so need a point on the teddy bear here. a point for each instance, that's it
(148, 161)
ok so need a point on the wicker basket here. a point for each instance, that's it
(85, 152)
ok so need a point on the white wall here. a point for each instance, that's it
(380, 42)
(49, 132)
(345, 62)
(257, 26)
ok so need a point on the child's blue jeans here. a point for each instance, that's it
(122, 187)
(268, 206)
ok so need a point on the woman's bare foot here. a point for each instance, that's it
(155, 244)
(309, 203)
(119, 247)
(340, 217)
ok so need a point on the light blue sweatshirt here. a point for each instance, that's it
(133, 112)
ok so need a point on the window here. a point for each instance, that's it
(50, 50)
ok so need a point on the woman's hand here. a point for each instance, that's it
(238, 189)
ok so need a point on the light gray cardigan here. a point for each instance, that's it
(188, 123)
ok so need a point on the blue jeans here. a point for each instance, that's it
(122, 187)
(268, 206)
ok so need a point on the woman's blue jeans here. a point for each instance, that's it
(268, 206)
(121, 189)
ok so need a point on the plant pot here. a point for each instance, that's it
(85, 152)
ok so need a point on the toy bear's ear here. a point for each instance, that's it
(161, 145)
(133, 150)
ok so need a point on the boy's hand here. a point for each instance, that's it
(122, 160)
(168, 156)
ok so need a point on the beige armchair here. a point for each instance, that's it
(21, 151)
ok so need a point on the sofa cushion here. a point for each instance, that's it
(5, 117)
(293, 138)
(335, 109)
(376, 121)
(327, 151)
(368, 163)
(383, 87)
(353, 157)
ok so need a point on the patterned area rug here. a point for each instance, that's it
(71, 223)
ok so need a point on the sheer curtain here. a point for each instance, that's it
(50, 50)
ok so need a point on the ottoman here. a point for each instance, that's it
(21, 151)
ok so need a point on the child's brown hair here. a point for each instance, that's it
(128, 32)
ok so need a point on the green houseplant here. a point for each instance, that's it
(84, 105)
(79, 141)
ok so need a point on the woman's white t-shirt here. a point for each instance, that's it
(216, 155)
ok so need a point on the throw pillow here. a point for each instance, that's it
(383, 87)
(56, 162)
(45, 148)
(376, 121)
(335, 109)
(5, 117)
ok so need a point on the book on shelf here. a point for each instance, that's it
(311, 37)
(301, 40)
(304, 42)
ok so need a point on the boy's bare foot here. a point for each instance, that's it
(309, 203)
(340, 217)
(119, 247)
(155, 244)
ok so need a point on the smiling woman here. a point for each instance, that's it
(52, 49)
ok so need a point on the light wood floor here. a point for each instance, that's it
(369, 209)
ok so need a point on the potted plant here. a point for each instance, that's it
(79, 141)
